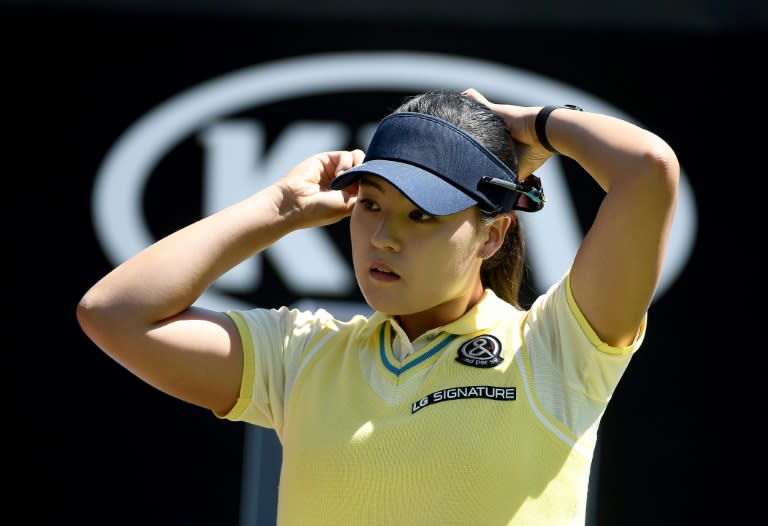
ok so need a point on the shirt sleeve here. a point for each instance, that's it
(574, 372)
(274, 341)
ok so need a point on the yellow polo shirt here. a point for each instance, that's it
(489, 420)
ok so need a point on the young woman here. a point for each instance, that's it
(450, 404)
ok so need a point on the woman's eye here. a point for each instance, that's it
(368, 204)
(420, 215)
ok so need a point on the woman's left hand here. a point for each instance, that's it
(520, 121)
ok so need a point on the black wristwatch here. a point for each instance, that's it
(541, 123)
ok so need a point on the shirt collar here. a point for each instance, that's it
(486, 313)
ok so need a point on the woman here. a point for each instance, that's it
(450, 404)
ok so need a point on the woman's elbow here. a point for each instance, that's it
(664, 166)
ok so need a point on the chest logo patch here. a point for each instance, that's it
(490, 392)
(482, 351)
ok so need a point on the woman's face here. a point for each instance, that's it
(410, 263)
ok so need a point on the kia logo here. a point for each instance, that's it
(237, 161)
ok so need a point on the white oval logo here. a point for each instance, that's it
(119, 220)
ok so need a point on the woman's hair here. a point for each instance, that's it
(504, 271)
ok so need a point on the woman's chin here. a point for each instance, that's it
(388, 303)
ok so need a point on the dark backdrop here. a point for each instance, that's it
(92, 444)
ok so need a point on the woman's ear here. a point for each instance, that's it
(497, 231)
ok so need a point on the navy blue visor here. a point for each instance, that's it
(441, 168)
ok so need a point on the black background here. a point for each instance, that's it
(92, 444)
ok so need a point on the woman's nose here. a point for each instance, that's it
(386, 236)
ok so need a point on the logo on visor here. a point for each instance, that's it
(482, 351)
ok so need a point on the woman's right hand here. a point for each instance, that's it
(306, 198)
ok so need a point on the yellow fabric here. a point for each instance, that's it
(360, 445)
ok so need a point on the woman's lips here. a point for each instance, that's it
(381, 272)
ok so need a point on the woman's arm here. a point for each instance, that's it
(141, 313)
(619, 262)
